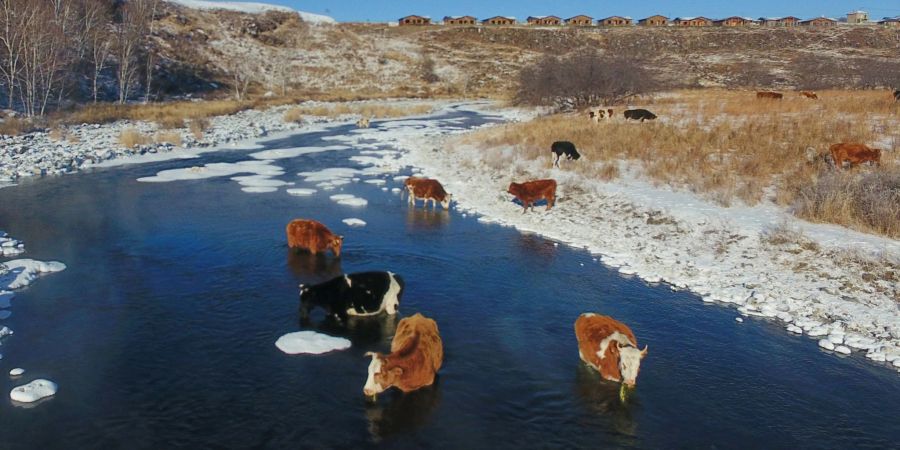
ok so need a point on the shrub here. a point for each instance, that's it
(131, 137)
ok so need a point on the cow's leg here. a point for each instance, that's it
(412, 200)
(550, 202)
(556, 163)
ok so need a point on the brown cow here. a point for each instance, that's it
(770, 95)
(427, 189)
(313, 236)
(854, 154)
(531, 191)
(809, 94)
(609, 346)
(609, 113)
(416, 355)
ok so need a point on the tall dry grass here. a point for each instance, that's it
(131, 137)
(726, 145)
(375, 110)
(868, 201)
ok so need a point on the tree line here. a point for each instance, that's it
(54, 50)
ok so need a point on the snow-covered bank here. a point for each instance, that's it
(36, 154)
(252, 8)
(819, 280)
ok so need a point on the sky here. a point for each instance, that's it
(391, 10)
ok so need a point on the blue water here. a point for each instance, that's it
(161, 332)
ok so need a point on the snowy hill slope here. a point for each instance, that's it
(251, 8)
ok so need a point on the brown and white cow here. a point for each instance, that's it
(770, 95)
(854, 154)
(610, 347)
(363, 122)
(416, 355)
(313, 236)
(427, 189)
(530, 192)
(809, 94)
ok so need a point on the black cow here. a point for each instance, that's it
(897, 95)
(639, 114)
(564, 148)
(355, 294)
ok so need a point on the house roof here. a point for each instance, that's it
(415, 15)
(655, 15)
(458, 17)
(544, 17)
(692, 18)
(579, 15)
(615, 17)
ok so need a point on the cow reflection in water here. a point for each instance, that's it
(601, 399)
(427, 218)
(312, 269)
(532, 244)
(362, 332)
(397, 413)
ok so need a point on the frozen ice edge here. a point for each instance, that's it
(801, 304)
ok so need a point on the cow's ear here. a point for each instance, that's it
(397, 371)
(372, 354)
(644, 351)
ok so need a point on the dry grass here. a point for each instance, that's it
(169, 137)
(166, 115)
(13, 126)
(867, 201)
(198, 127)
(131, 137)
(375, 110)
(726, 145)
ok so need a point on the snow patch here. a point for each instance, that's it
(34, 391)
(310, 342)
(252, 8)
(19, 273)
(353, 222)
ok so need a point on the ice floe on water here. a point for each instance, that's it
(283, 153)
(310, 342)
(9, 246)
(258, 180)
(5, 331)
(34, 391)
(349, 200)
(354, 222)
(19, 273)
(18, 371)
(301, 192)
(376, 182)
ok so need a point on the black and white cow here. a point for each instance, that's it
(354, 294)
(564, 148)
(639, 114)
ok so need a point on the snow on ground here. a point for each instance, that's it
(34, 391)
(252, 8)
(310, 342)
(661, 235)
(354, 222)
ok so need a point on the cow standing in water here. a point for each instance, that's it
(853, 154)
(567, 148)
(354, 294)
(313, 236)
(427, 189)
(417, 353)
(610, 347)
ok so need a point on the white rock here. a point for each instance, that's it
(739, 319)
(310, 342)
(842, 349)
(826, 344)
(16, 372)
(33, 391)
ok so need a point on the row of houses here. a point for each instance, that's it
(856, 17)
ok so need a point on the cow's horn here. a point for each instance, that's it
(372, 354)
(644, 351)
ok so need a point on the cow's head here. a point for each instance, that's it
(335, 244)
(514, 188)
(380, 377)
(630, 363)
(446, 201)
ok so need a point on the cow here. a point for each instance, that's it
(809, 95)
(769, 95)
(594, 116)
(564, 148)
(609, 113)
(897, 95)
(531, 191)
(313, 236)
(854, 154)
(416, 355)
(639, 114)
(355, 294)
(427, 189)
(363, 122)
(610, 347)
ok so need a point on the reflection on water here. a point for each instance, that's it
(312, 269)
(398, 413)
(422, 218)
(363, 332)
(532, 244)
(601, 398)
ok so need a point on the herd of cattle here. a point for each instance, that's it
(417, 351)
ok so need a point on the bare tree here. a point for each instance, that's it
(136, 16)
(582, 79)
(152, 6)
(97, 16)
(241, 73)
(14, 19)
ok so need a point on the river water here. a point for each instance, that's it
(161, 331)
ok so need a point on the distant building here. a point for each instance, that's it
(654, 21)
(819, 22)
(734, 21)
(789, 21)
(692, 22)
(415, 20)
(499, 20)
(543, 20)
(615, 21)
(580, 21)
(857, 17)
(890, 22)
(460, 20)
